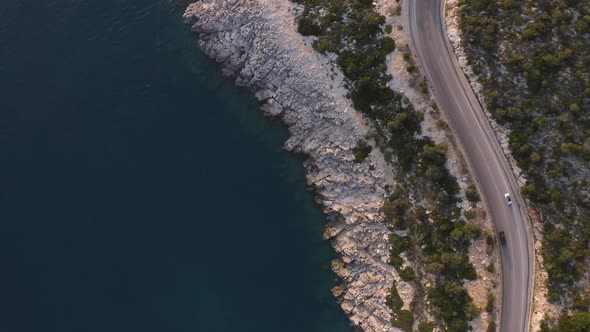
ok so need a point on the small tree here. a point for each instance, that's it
(407, 274)
(361, 151)
(471, 194)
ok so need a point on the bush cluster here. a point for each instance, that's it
(355, 34)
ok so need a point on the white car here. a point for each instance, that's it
(508, 199)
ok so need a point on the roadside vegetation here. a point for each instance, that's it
(422, 211)
(533, 59)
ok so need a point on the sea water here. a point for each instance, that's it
(141, 191)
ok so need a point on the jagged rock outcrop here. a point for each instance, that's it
(256, 42)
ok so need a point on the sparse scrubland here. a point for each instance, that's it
(533, 60)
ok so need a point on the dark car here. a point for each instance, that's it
(502, 238)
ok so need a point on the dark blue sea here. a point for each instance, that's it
(139, 190)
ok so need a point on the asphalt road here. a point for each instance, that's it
(484, 156)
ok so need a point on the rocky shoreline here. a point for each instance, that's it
(257, 44)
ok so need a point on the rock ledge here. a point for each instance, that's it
(256, 42)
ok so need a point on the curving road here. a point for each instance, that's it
(484, 156)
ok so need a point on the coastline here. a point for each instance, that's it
(256, 43)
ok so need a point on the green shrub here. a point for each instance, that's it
(308, 27)
(472, 230)
(361, 151)
(442, 124)
(490, 304)
(582, 26)
(388, 29)
(393, 300)
(322, 45)
(407, 274)
(425, 327)
(491, 268)
(395, 259)
(576, 322)
(470, 214)
(403, 319)
(471, 194)
(400, 243)
(492, 327)
(387, 45)
(423, 86)
(395, 209)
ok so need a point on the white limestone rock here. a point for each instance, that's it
(256, 42)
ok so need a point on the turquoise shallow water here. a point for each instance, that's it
(141, 191)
